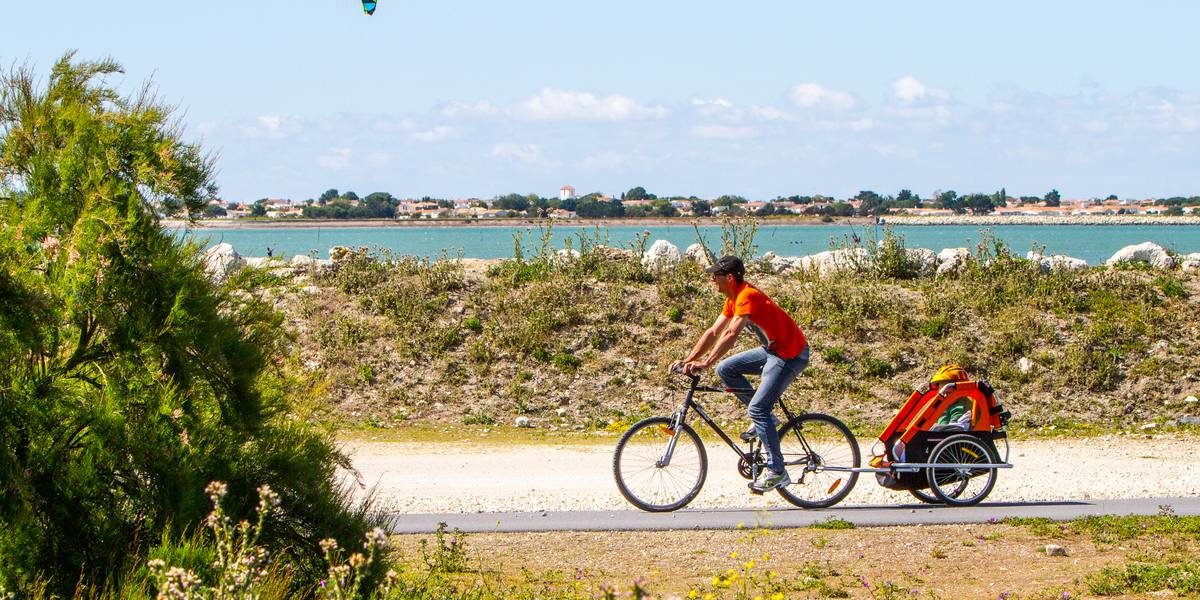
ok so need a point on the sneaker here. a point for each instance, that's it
(769, 480)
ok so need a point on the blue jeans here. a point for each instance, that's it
(777, 375)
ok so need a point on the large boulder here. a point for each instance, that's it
(222, 260)
(952, 260)
(780, 264)
(831, 261)
(662, 254)
(1191, 262)
(696, 254)
(926, 260)
(1057, 262)
(1147, 252)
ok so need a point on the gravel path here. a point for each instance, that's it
(465, 477)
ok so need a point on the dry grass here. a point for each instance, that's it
(943, 561)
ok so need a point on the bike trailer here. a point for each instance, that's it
(949, 403)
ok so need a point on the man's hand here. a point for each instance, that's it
(695, 367)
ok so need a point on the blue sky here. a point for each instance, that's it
(705, 98)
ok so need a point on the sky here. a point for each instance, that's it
(763, 99)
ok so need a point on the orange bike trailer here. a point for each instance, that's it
(949, 404)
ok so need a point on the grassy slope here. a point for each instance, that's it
(583, 344)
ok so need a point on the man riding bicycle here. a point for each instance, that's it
(782, 356)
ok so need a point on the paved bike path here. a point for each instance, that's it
(863, 516)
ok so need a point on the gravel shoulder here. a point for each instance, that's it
(424, 477)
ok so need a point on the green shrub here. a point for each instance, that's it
(132, 380)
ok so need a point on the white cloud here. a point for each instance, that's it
(482, 108)
(559, 105)
(336, 159)
(530, 153)
(724, 132)
(604, 160)
(770, 113)
(908, 90)
(864, 124)
(437, 134)
(815, 95)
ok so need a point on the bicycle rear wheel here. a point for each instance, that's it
(645, 479)
(962, 485)
(811, 444)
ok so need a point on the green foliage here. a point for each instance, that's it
(132, 379)
(832, 523)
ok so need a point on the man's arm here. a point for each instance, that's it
(724, 340)
(704, 343)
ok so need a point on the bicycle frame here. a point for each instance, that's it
(680, 417)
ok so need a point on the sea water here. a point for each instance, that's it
(1093, 243)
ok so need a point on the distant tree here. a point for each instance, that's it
(950, 200)
(870, 203)
(1111, 197)
(568, 204)
(213, 211)
(766, 210)
(979, 204)
(259, 209)
(327, 195)
(663, 208)
(1052, 198)
(728, 201)
(1000, 198)
(1030, 200)
(1174, 211)
(350, 196)
(638, 193)
(513, 202)
(701, 208)
(904, 195)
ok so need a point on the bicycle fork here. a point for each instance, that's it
(676, 429)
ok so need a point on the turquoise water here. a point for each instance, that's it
(1093, 243)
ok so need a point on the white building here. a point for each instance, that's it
(566, 192)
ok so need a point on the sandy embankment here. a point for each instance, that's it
(472, 477)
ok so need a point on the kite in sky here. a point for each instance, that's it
(369, 6)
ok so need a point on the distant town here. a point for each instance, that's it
(637, 202)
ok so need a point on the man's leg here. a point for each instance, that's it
(777, 375)
(733, 370)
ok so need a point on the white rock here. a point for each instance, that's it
(1191, 262)
(952, 260)
(1057, 262)
(1147, 252)
(1055, 550)
(310, 290)
(302, 261)
(1149, 426)
(1025, 365)
(255, 262)
(925, 260)
(523, 421)
(696, 253)
(566, 255)
(562, 412)
(221, 260)
(661, 254)
(1191, 400)
(831, 261)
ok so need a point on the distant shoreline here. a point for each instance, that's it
(985, 220)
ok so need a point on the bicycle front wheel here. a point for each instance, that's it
(812, 444)
(657, 468)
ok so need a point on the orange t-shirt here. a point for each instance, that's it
(774, 327)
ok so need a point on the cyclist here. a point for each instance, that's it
(782, 356)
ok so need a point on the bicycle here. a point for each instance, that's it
(660, 463)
